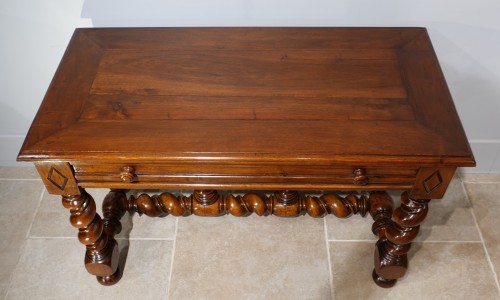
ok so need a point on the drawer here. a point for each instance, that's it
(242, 176)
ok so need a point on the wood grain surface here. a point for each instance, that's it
(162, 94)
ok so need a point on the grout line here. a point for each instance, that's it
(36, 211)
(329, 259)
(354, 241)
(146, 239)
(11, 276)
(20, 179)
(172, 258)
(23, 245)
(464, 180)
(449, 242)
(119, 238)
(54, 237)
(488, 258)
(415, 241)
(481, 182)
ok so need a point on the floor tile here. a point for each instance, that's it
(3, 290)
(250, 258)
(152, 228)
(478, 178)
(18, 173)
(52, 220)
(486, 206)
(18, 202)
(247, 258)
(353, 228)
(437, 271)
(53, 269)
(449, 219)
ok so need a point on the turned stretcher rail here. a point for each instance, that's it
(280, 203)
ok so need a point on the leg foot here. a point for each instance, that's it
(104, 262)
(102, 255)
(395, 234)
(382, 282)
(110, 279)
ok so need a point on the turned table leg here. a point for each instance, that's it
(396, 230)
(102, 255)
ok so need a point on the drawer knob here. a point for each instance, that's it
(360, 177)
(127, 174)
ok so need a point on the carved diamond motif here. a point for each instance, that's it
(57, 178)
(433, 182)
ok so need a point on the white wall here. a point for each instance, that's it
(33, 37)
(466, 36)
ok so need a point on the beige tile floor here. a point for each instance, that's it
(456, 256)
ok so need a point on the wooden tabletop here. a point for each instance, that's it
(245, 94)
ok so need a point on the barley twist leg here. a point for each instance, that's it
(101, 256)
(395, 235)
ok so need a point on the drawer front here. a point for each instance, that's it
(242, 176)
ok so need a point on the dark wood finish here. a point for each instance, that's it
(395, 235)
(58, 177)
(322, 95)
(114, 206)
(281, 203)
(101, 257)
(286, 109)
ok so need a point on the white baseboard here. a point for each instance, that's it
(487, 154)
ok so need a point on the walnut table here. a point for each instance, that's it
(250, 109)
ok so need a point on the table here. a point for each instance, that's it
(249, 109)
